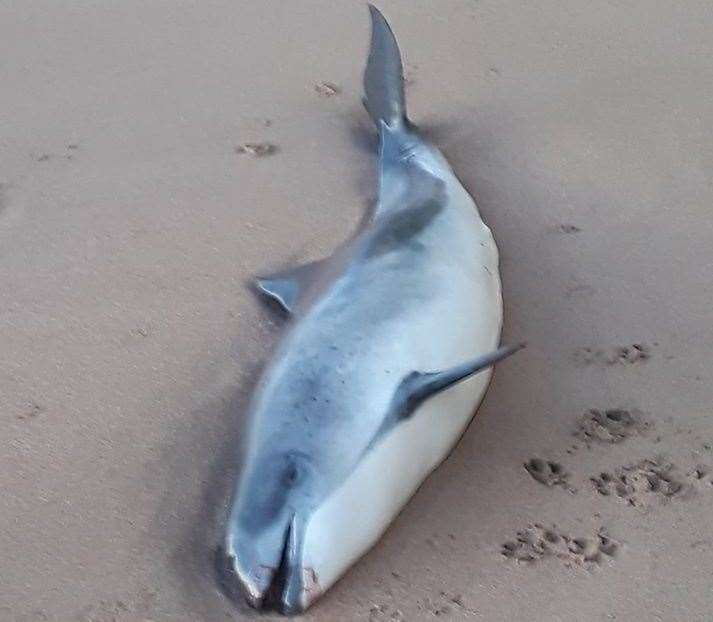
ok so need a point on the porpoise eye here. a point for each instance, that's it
(293, 470)
(291, 474)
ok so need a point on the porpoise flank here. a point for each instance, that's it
(376, 377)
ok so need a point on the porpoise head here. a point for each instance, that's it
(261, 556)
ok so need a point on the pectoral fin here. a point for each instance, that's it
(419, 386)
(286, 287)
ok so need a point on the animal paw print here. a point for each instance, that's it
(327, 89)
(639, 483)
(610, 426)
(567, 228)
(257, 150)
(617, 355)
(548, 473)
(446, 605)
(536, 542)
(593, 549)
(458, 601)
(383, 613)
(533, 543)
(700, 476)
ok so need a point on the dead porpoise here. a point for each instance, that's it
(375, 379)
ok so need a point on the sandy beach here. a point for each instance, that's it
(154, 156)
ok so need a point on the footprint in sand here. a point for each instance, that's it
(700, 476)
(633, 354)
(613, 425)
(31, 410)
(327, 89)
(70, 150)
(535, 543)
(567, 228)
(446, 605)
(548, 473)
(649, 481)
(384, 613)
(257, 150)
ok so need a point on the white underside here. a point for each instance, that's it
(351, 521)
(355, 516)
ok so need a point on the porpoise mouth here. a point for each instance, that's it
(285, 586)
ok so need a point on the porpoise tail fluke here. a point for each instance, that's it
(383, 79)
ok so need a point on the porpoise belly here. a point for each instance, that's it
(466, 323)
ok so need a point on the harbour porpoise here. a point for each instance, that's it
(386, 355)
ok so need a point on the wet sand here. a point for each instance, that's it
(135, 205)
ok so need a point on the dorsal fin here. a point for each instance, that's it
(383, 77)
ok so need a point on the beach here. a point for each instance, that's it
(154, 157)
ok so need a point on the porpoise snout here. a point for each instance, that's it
(264, 568)
(239, 584)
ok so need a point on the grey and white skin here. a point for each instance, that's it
(376, 377)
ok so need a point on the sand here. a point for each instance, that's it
(155, 155)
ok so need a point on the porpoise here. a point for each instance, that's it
(377, 374)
